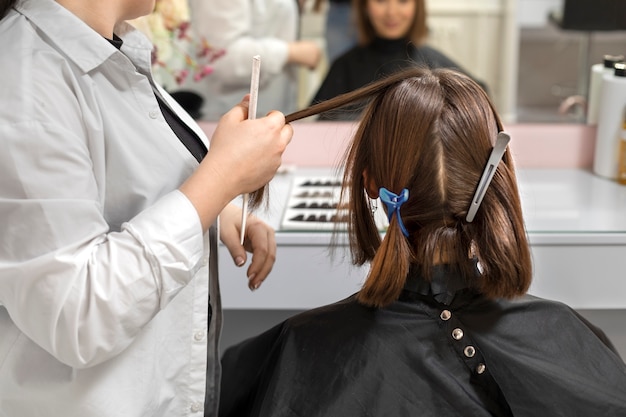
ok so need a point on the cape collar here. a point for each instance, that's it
(445, 281)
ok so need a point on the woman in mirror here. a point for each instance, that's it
(392, 36)
(442, 325)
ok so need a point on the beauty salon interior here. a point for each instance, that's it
(537, 57)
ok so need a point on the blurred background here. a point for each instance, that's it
(536, 67)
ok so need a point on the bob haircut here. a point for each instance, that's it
(366, 33)
(431, 131)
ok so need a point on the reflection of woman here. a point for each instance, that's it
(107, 258)
(245, 28)
(391, 37)
(441, 326)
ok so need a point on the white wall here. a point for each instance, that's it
(535, 12)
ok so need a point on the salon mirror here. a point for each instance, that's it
(536, 70)
(559, 41)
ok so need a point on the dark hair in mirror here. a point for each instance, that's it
(431, 131)
(5, 5)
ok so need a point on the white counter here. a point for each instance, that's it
(576, 224)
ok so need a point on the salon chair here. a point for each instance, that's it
(190, 101)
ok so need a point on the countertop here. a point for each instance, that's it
(576, 224)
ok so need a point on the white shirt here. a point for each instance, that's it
(103, 264)
(245, 28)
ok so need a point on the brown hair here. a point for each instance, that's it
(431, 131)
(417, 33)
(5, 6)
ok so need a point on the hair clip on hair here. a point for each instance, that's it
(490, 169)
(393, 203)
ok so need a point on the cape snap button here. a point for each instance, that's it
(457, 334)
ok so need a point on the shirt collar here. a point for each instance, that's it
(116, 41)
(73, 36)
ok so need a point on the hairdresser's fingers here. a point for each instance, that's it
(286, 132)
(230, 227)
(260, 240)
(240, 111)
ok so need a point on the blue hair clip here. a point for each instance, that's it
(393, 203)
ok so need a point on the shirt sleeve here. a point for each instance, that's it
(79, 290)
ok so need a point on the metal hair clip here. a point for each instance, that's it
(490, 169)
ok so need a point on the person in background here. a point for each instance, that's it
(244, 29)
(442, 325)
(392, 35)
(109, 205)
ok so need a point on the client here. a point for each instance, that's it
(442, 325)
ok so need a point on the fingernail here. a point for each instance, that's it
(239, 261)
(250, 282)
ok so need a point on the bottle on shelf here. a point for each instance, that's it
(598, 71)
(610, 121)
(621, 159)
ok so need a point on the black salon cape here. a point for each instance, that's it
(538, 358)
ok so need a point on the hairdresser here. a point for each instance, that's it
(110, 198)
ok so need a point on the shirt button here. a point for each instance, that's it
(445, 315)
(469, 351)
(205, 261)
(199, 336)
(457, 334)
(480, 368)
(153, 114)
(196, 407)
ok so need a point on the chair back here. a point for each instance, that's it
(593, 15)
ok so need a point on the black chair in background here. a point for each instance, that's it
(190, 101)
(592, 15)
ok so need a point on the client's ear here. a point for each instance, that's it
(370, 186)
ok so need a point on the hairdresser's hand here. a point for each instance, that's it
(244, 155)
(306, 53)
(259, 240)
